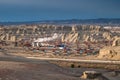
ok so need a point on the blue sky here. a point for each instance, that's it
(34, 10)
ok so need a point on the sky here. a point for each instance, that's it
(36, 10)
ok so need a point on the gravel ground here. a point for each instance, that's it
(19, 68)
(32, 71)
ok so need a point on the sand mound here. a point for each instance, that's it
(112, 53)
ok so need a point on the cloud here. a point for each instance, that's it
(58, 9)
(50, 5)
(41, 3)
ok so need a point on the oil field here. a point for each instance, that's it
(59, 39)
(74, 51)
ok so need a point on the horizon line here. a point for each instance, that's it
(55, 20)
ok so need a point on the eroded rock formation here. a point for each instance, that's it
(70, 33)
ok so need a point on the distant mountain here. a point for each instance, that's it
(111, 21)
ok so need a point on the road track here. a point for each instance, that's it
(77, 60)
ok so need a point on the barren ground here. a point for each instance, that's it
(14, 67)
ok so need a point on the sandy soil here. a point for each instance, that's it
(19, 68)
(14, 67)
(32, 71)
(10, 70)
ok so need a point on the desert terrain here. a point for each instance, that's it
(24, 48)
(14, 67)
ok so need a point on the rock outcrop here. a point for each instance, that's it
(110, 52)
(93, 75)
(70, 33)
(116, 42)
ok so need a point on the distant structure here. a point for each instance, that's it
(41, 41)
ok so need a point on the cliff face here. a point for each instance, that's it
(116, 42)
(111, 52)
(69, 33)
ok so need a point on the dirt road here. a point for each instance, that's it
(76, 60)
(20, 68)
